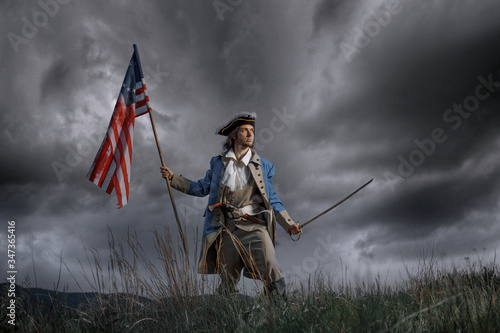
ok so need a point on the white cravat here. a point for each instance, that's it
(237, 174)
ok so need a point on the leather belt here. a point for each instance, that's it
(247, 212)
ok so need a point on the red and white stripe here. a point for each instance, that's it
(142, 98)
(111, 167)
(112, 164)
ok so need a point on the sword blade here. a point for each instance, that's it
(337, 204)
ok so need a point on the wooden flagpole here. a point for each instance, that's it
(181, 230)
(168, 183)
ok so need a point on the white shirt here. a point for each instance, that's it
(237, 174)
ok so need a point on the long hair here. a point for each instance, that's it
(229, 143)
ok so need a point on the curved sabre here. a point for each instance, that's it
(337, 204)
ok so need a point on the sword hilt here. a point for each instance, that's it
(300, 228)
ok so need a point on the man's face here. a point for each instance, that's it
(245, 136)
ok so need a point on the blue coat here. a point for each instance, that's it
(262, 172)
(210, 186)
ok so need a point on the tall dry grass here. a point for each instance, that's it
(135, 291)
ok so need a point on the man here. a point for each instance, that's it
(242, 211)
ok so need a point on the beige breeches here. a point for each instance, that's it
(252, 250)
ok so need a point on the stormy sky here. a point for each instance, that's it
(404, 92)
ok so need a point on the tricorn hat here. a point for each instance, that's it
(242, 119)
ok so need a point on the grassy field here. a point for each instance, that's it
(171, 298)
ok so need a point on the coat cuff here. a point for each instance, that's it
(284, 220)
(180, 183)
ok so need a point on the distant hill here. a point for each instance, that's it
(45, 301)
(28, 299)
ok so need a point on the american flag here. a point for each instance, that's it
(111, 167)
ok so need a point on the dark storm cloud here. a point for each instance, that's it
(436, 203)
(402, 93)
(398, 90)
(402, 85)
(334, 13)
(329, 124)
(55, 79)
